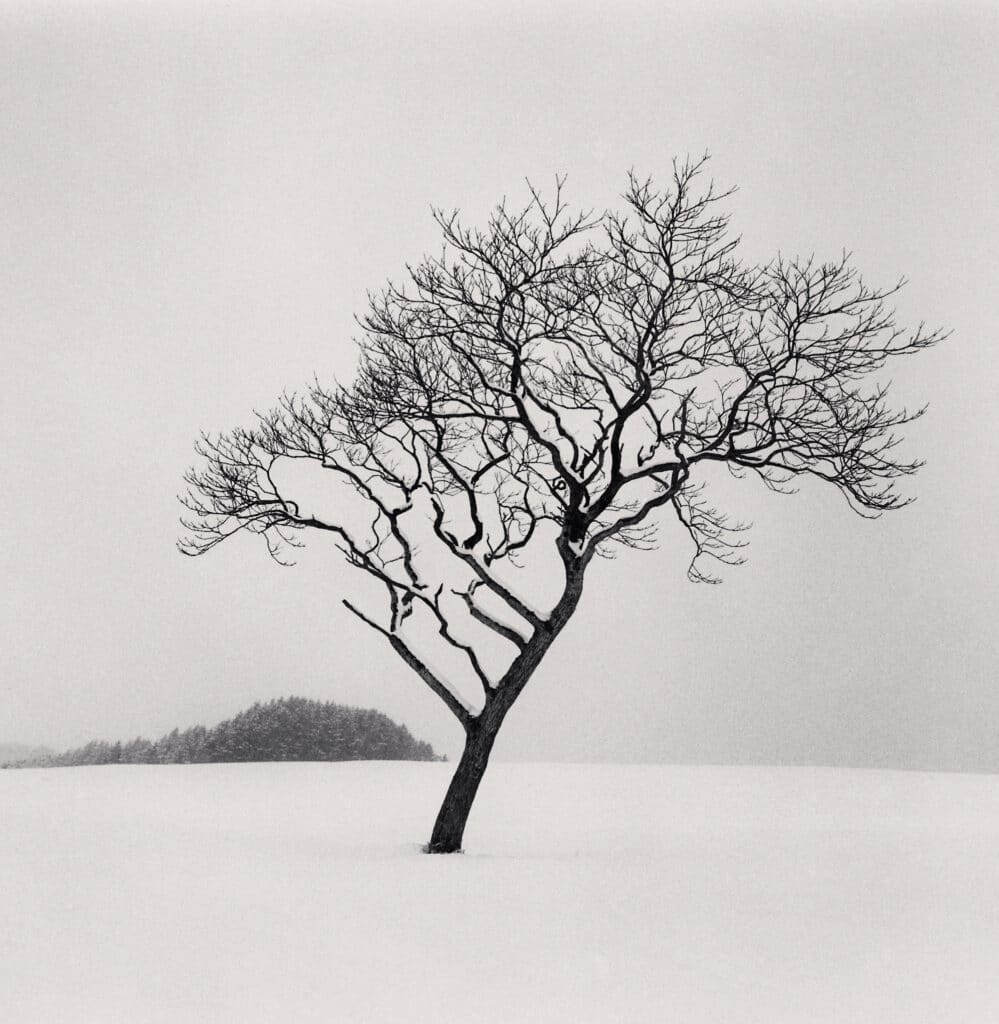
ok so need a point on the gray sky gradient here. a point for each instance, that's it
(194, 203)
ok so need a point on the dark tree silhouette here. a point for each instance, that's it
(541, 390)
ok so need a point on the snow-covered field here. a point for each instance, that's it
(292, 893)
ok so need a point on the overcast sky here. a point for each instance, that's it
(193, 206)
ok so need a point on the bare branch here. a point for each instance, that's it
(557, 384)
(455, 705)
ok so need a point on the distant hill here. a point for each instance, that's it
(287, 729)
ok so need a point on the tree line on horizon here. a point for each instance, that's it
(283, 729)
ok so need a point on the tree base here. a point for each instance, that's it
(439, 848)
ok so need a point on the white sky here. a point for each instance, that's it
(194, 205)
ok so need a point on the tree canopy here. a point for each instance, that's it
(551, 386)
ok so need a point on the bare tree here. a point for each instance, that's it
(548, 387)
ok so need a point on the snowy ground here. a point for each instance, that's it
(297, 893)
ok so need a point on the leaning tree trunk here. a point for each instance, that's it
(450, 825)
(480, 732)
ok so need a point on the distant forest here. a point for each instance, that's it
(288, 729)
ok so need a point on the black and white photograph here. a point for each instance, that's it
(498, 507)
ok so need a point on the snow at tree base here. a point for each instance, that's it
(297, 892)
